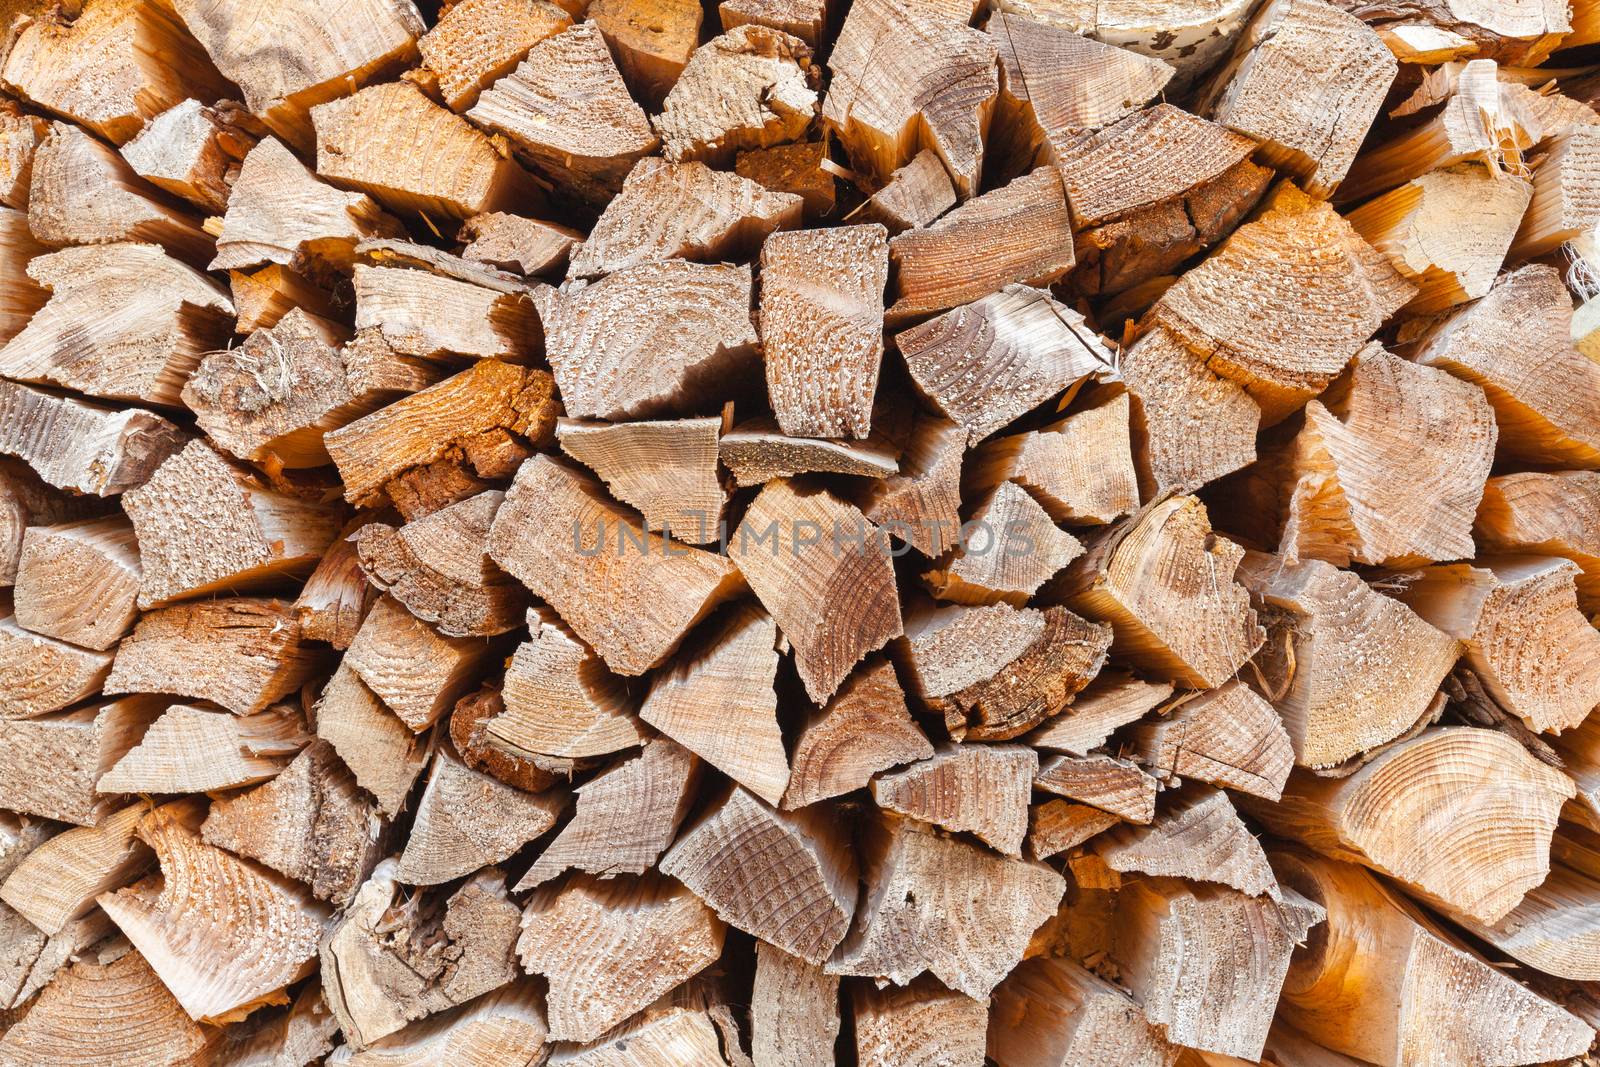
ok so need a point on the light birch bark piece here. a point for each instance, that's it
(1228, 736)
(20, 134)
(632, 606)
(611, 948)
(124, 321)
(58, 881)
(415, 671)
(919, 913)
(833, 596)
(477, 42)
(420, 313)
(1053, 1013)
(1555, 514)
(467, 820)
(919, 505)
(789, 878)
(514, 243)
(264, 296)
(243, 653)
(1106, 782)
(1112, 700)
(682, 211)
(804, 169)
(667, 470)
(913, 196)
(1056, 826)
(980, 789)
(821, 325)
(567, 112)
(1197, 836)
(498, 1027)
(1013, 548)
(924, 1024)
(380, 750)
(1079, 469)
(752, 87)
(77, 581)
(864, 728)
(336, 596)
(224, 935)
(192, 151)
(54, 762)
(198, 750)
(40, 674)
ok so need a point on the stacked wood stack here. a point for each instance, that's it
(897, 533)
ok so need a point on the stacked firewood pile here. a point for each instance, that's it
(909, 533)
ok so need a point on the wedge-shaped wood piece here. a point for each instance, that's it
(919, 913)
(27, 500)
(305, 1028)
(495, 1028)
(477, 42)
(192, 151)
(831, 592)
(1052, 1013)
(243, 653)
(205, 526)
(1112, 700)
(651, 39)
(1079, 469)
(310, 823)
(650, 339)
(625, 818)
(297, 55)
(1425, 813)
(1198, 836)
(1228, 736)
(803, 169)
(1021, 232)
(58, 881)
(749, 88)
(789, 878)
(102, 1012)
(921, 1023)
(693, 1022)
(560, 698)
(469, 732)
(1374, 938)
(822, 327)
(418, 673)
(1009, 549)
(1206, 962)
(337, 595)
(33, 958)
(486, 399)
(1517, 344)
(566, 111)
(198, 750)
(757, 452)
(40, 674)
(562, 536)
(467, 820)
(395, 956)
(420, 313)
(438, 568)
(263, 296)
(988, 362)
(54, 762)
(77, 581)
(380, 750)
(1524, 637)
(1347, 668)
(1235, 310)
(280, 213)
(222, 933)
(865, 728)
(22, 297)
(1563, 208)
(1555, 514)
(803, 18)
(20, 134)
(667, 470)
(682, 210)
(610, 948)
(514, 243)
(140, 346)
(979, 789)
(1056, 826)
(1166, 585)
(1106, 782)
(908, 77)
(1554, 929)
(1521, 36)
(914, 195)
(794, 1008)
(919, 505)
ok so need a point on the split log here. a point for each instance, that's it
(124, 321)
(1562, 208)
(561, 700)
(788, 878)
(913, 196)
(109, 66)
(920, 503)
(651, 39)
(1376, 939)
(667, 470)
(40, 674)
(20, 134)
(299, 55)
(804, 19)
(380, 750)
(752, 87)
(802, 169)
(32, 957)
(986, 363)
(610, 948)
(553, 525)
(55, 761)
(513, 243)
(625, 818)
(794, 1006)
(224, 935)
(336, 596)
(1423, 813)
(416, 672)
(1167, 586)
(863, 729)
(477, 42)
(828, 580)
(1108, 783)
(650, 340)
(394, 957)
(1079, 469)
(1112, 700)
(682, 210)
(1229, 737)
(469, 732)
(438, 568)
(920, 914)
(310, 823)
(280, 213)
(467, 820)
(262, 297)
(1525, 35)
(58, 881)
(192, 151)
(243, 653)
(22, 297)
(923, 1023)
(908, 77)
(566, 111)
(1517, 344)
(77, 581)
(27, 500)
(1057, 826)
(1021, 232)
(693, 1022)
(497, 1027)
(757, 451)
(198, 750)
(821, 326)
(1556, 514)
(205, 526)
(1052, 1013)
(1524, 637)
(1197, 836)
(296, 1034)
(978, 789)
(420, 313)
(1207, 963)
(1009, 548)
